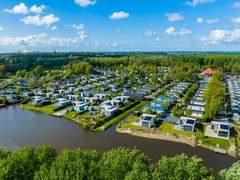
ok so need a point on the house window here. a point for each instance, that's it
(145, 124)
(187, 128)
(223, 134)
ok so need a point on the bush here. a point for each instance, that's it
(117, 164)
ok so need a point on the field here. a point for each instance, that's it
(49, 109)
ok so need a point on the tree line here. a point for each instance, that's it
(117, 164)
(19, 61)
(214, 96)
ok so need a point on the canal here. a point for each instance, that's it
(20, 128)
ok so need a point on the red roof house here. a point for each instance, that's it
(208, 72)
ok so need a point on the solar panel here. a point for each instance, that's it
(189, 121)
(225, 127)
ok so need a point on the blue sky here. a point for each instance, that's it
(119, 25)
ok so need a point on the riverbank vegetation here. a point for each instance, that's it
(48, 109)
(116, 164)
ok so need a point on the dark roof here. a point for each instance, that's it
(190, 121)
(223, 126)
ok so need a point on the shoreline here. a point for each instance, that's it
(191, 141)
(173, 138)
(160, 136)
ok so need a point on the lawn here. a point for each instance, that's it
(84, 118)
(128, 123)
(169, 128)
(212, 142)
(128, 110)
(49, 109)
(165, 127)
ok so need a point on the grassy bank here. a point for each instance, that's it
(168, 128)
(120, 117)
(49, 109)
(83, 118)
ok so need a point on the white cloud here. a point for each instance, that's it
(212, 21)
(38, 20)
(1, 28)
(174, 17)
(200, 20)
(199, 2)
(54, 28)
(77, 27)
(150, 33)
(236, 21)
(115, 44)
(208, 21)
(181, 32)
(95, 43)
(85, 3)
(38, 9)
(157, 39)
(236, 5)
(119, 15)
(222, 36)
(18, 9)
(40, 41)
(23, 9)
(82, 35)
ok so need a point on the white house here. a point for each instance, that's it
(80, 106)
(186, 123)
(195, 107)
(62, 102)
(218, 130)
(38, 99)
(147, 120)
(197, 114)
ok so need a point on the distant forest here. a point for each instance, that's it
(11, 63)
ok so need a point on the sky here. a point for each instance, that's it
(119, 25)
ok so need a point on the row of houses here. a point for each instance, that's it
(178, 90)
(213, 129)
(197, 104)
(234, 92)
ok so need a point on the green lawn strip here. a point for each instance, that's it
(120, 117)
(83, 118)
(128, 123)
(169, 128)
(165, 127)
(49, 109)
(212, 142)
(238, 140)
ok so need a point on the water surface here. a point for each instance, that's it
(20, 128)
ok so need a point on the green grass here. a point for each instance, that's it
(83, 118)
(49, 109)
(165, 127)
(71, 115)
(120, 117)
(128, 123)
(212, 142)
(169, 128)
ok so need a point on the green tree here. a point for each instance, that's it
(123, 163)
(38, 71)
(18, 90)
(2, 71)
(180, 168)
(232, 173)
(72, 165)
(154, 80)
